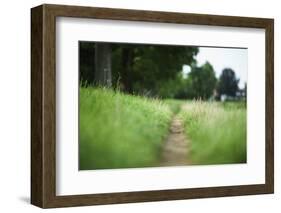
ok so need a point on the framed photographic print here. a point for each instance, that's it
(135, 106)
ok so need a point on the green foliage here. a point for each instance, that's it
(155, 71)
(138, 68)
(151, 65)
(217, 132)
(120, 131)
(159, 63)
(201, 82)
(172, 88)
(228, 83)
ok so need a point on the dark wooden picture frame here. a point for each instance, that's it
(43, 105)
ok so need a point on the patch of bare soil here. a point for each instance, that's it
(176, 147)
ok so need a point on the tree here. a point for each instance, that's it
(245, 90)
(126, 72)
(86, 62)
(133, 68)
(201, 81)
(95, 63)
(172, 88)
(102, 59)
(141, 68)
(228, 83)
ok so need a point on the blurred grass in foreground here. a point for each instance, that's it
(125, 131)
(217, 132)
(119, 130)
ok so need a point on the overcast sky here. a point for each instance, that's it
(220, 58)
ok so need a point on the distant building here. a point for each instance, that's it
(239, 96)
(241, 93)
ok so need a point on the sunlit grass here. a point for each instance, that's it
(120, 131)
(217, 132)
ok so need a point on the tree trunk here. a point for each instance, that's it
(127, 63)
(103, 74)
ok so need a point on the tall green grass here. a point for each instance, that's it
(120, 131)
(217, 132)
(174, 105)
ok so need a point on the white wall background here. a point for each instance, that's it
(15, 105)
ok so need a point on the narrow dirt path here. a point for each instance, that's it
(176, 147)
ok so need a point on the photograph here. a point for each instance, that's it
(169, 105)
(151, 105)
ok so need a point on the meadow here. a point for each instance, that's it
(217, 132)
(118, 130)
